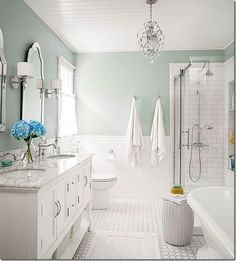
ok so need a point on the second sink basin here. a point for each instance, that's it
(61, 156)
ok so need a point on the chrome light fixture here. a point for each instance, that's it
(150, 37)
(56, 86)
(24, 72)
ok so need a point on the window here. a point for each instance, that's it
(66, 74)
(67, 124)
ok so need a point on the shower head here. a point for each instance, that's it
(206, 66)
(208, 71)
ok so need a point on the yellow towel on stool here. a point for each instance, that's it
(179, 190)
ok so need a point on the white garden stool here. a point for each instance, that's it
(177, 223)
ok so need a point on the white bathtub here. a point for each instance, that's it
(215, 208)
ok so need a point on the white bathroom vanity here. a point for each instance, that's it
(40, 205)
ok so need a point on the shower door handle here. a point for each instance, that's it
(188, 139)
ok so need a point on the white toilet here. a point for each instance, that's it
(101, 184)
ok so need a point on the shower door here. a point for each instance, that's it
(199, 122)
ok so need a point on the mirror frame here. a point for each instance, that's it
(36, 48)
(3, 86)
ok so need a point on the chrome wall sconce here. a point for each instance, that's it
(56, 86)
(24, 72)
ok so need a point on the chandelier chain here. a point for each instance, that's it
(151, 12)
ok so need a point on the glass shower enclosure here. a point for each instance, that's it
(198, 156)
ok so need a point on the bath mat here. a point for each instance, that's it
(124, 245)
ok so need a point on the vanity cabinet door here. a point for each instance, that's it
(79, 187)
(87, 180)
(47, 221)
(61, 215)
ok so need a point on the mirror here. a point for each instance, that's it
(32, 95)
(3, 75)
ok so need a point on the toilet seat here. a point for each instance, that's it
(103, 177)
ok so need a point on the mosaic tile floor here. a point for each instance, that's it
(130, 214)
(136, 214)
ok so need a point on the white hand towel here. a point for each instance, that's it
(134, 137)
(158, 151)
(175, 198)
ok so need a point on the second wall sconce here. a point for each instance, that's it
(56, 86)
(24, 72)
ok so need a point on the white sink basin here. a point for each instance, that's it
(23, 170)
(61, 156)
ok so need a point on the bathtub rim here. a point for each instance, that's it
(208, 221)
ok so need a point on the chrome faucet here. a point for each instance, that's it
(8, 154)
(43, 147)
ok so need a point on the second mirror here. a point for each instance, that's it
(32, 99)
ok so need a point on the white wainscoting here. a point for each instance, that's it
(144, 180)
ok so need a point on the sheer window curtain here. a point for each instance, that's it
(67, 124)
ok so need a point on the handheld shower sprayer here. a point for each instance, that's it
(199, 145)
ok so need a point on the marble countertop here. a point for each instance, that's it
(44, 171)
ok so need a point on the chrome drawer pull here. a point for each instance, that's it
(59, 206)
(57, 209)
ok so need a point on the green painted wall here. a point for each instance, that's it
(105, 83)
(21, 27)
(229, 51)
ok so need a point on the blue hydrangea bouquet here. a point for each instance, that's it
(23, 130)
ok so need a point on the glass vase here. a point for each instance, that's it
(27, 157)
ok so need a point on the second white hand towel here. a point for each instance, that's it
(134, 137)
(158, 145)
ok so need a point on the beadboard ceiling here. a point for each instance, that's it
(112, 25)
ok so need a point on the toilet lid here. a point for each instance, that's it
(103, 177)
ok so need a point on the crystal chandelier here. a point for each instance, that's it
(150, 37)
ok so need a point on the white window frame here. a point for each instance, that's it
(63, 62)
